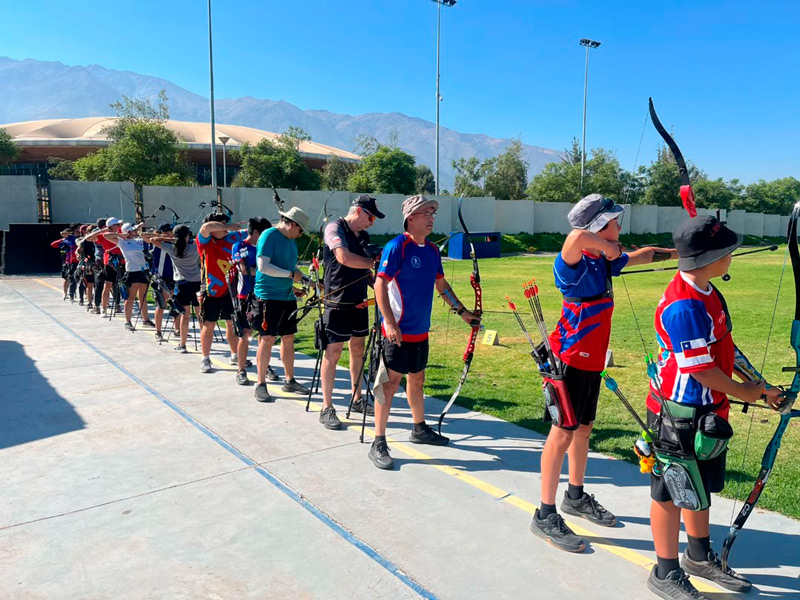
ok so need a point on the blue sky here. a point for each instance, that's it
(724, 75)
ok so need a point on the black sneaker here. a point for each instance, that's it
(588, 508)
(712, 570)
(676, 586)
(293, 387)
(241, 378)
(159, 336)
(128, 326)
(358, 406)
(148, 324)
(327, 416)
(80, 303)
(272, 375)
(427, 436)
(555, 531)
(262, 394)
(379, 455)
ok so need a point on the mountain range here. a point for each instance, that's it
(33, 89)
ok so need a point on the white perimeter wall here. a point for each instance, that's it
(87, 201)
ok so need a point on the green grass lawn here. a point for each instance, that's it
(504, 382)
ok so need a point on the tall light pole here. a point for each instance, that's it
(211, 102)
(438, 95)
(224, 139)
(589, 44)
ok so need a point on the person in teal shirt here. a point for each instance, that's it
(276, 259)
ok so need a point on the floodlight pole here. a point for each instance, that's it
(438, 77)
(211, 103)
(588, 44)
(224, 139)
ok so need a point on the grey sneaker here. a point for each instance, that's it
(272, 375)
(129, 326)
(676, 586)
(379, 455)
(241, 378)
(327, 416)
(205, 365)
(262, 394)
(555, 531)
(96, 310)
(428, 436)
(588, 508)
(181, 349)
(712, 570)
(149, 324)
(159, 336)
(358, 406)
(293, 387)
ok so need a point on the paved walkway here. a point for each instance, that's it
(126, 473)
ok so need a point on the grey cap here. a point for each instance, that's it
(593, 212)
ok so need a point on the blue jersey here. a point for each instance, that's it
(282, 253)
(245, 253)
(582, 334)
(162, 264)
(412, 271)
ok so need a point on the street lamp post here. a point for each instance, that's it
(224, 139)
(211, 103)
(588, 44)
(440, 3)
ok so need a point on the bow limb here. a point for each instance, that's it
(687, 193)
(787, 411)
(475, 281)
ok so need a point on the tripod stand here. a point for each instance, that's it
(374, 350)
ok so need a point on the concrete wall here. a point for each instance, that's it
(86, 201)
(18, 200)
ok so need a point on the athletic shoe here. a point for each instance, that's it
(72, 299)
(80, 303)
(235, 362)
(65, 297)
(181, 349)
(358, 406)
(205, 365)
(148, 324)
(428, 436)
(327, 416)
(128, 326)
(379, 455)
(97, 310)
(271, 374)
(676, 586)
(712, 570)
(241, 378)
(293, 387)
(588, 508)
(262, 394)
(159, 336)
(555, 531)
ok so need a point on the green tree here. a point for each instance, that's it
(8, 149)
(277, 164)
(664, 181)
(773, 197)
(389, 171)
(359, 182)
(335, 173)
(141, 147)
(469, 177)
(506, 175)
(61, 169)
(717, 193)
(365, 144)
(424, 182)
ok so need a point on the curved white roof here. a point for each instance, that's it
(89, 131)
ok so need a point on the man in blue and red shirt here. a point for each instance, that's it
(410, 269)
(696, 362)
(583, 271)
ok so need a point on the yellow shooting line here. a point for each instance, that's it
(495, 492)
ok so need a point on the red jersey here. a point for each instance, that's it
(216, 256)
(108, 249)
(694, 334)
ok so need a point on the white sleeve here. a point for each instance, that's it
(267, 268)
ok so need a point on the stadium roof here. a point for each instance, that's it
(89, 133)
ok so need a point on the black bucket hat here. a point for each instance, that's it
(703, 240)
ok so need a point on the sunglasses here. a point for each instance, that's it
(370, 216)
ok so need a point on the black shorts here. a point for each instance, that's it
(240, 314)
(133, 277)
(712, 473)
(215, 308)
(68, 270)
(275, 317)
(342, 324)
(584, 391)
(187, 293)
(168, 285)
(109, 273)
(409, 357)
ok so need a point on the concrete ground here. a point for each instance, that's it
(126, 473)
